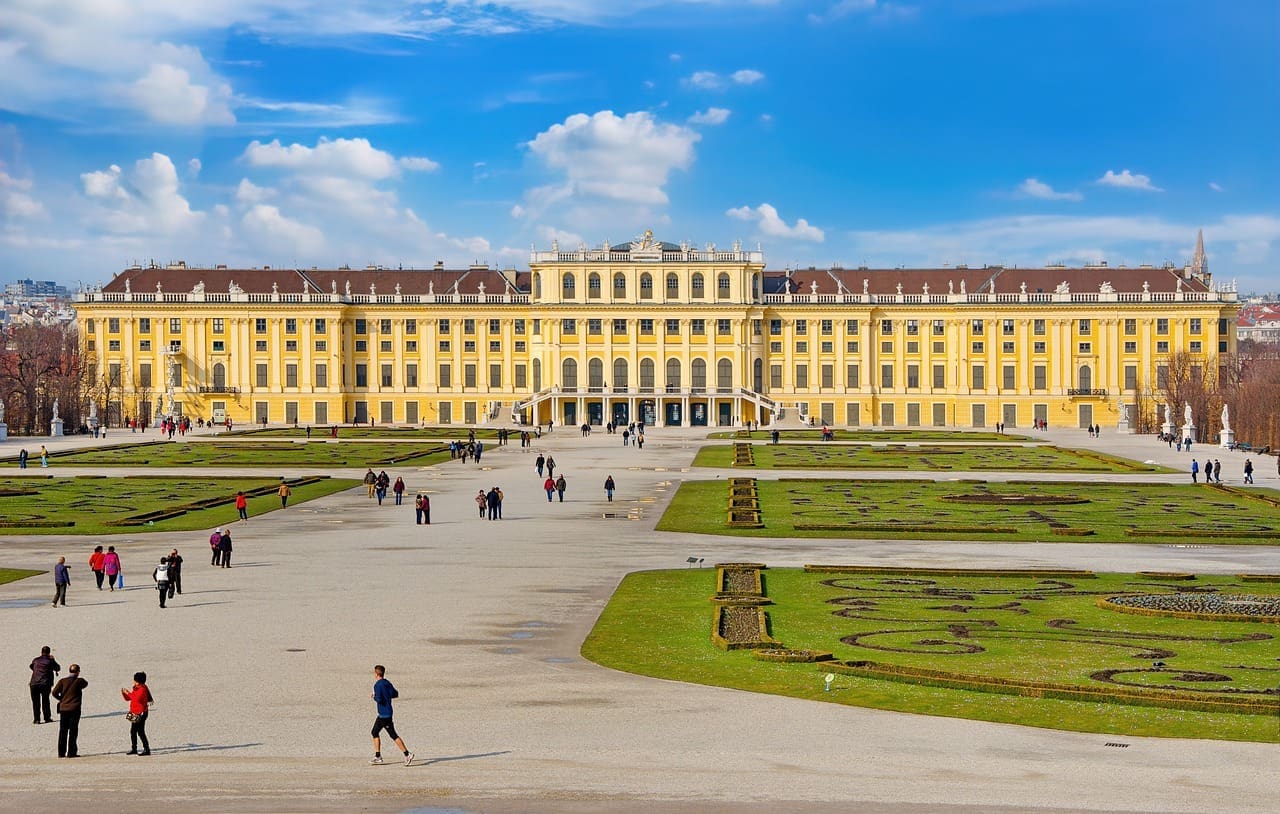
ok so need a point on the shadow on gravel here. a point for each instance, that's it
(429, 761)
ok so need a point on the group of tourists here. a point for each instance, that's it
(69, 693)
(380, 484)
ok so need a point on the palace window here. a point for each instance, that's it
(595, 327)
(886, 347)
(518, 327)
(569, 327)
(218, 325)
(113, 325)
(495, 326)
(698, 286)
(646, 327)
(646, 286)
(977, 326)
(291, 326)
(495, 375)
(411, 375)
(445, 346)
(802, 327)
(322, 345)
(175, 325)
(802, 347)
(886, 377)
(468, 327)
(1130, 347)
(1195, 325)
(411, 346)
(568, 287)
(291, 375)
(1130, 377)
(495, 346)
(1086, 347)
(852, 346)
(144, 325)
(1009, 374)
(673, 326)
(723, 327)
(827, 327)
(852, 373)
(979, 378)
(802, 377)
(468, 346)
(1039, 377)
(913, 347)
(521, 346)
(698, 327)
(1197, 347)
(939, 376)
(913, 327)
(1130, 327)
(828, 347)
(978, 347)
(442, 326)
(1039, 347)
(384, 346)
(619, 285)
(320, 326)
(673, 285)
(88, 326)
(619, 326)
(1037, 327)
(722, 286)
(113, 344)
(446, 375)
(1162, 327)
(260, 326)
(593, 286)
(775, 327)
(775, 347)
(1007, 347)
(145, 344)
(261, 346)
(913, 376)
(362, 327)
(1006, 327)
(1086, 327)
(1162, 347)
(851, 327)
(322, 374)
(260, 375)
(939, 347)
(291, 346)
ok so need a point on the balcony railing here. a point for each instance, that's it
(1084, 391)
(233, 391)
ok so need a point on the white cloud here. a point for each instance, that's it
(146, 201)
(710, 80)
(1216, 187)
(769, 223)
(1127, 180)
(354, 157)
(193, 167)
(250, 193)
(264, 225)
(674, 57)
(617, 158)
(1033, 188)
(877, 10)
(167, 94)
(14, 200)
(712, 115)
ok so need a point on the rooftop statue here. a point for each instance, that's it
(1106, 288)
(198, 288)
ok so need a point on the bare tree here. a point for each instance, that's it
(38, 364)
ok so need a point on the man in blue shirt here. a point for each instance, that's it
(383, 692)
(61, 579)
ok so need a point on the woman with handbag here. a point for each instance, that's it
(140, 700)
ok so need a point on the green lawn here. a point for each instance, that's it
(253, 452)
(321, 432)
(95, 506)
(957, 457)
(15, 574)
(910, 436)
(980, 511)
(658, 623)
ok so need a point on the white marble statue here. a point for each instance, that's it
(55, 409)
(1, 411)
(1226, 419)
(158, 291)
(1168, 414)
(962, 287)
(480, 287)
(1106, 288)
(1022, 289)
(951, 287)
(333, 287)
(128, 289)
(899, 289)
(348, 288)
(925, 287)
(1063, 288)
(198, 288)
(813, 287)
(1146, 287)
(397, 289)
(275, 288)
(1186, 413)
(865, 286)
(431, 287)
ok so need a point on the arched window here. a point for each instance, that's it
(646, 375)
(673, 286)
(537, 286)
(699, 374)
(1086, 377)
(219, 377)
(673, 374)
(619, 285)
(757, 375)
(593, 286)
(646, 286)
(569, 287)
(755, 287)
(698, 286)
(569, 374)
(595, 373)
(724, 374)
(620, 373)
(537, 375)
(722, 286)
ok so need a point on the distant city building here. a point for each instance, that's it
(35, 288)
(1259, 322)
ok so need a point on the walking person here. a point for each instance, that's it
(44, 457)
(43, 668)
(551, 467)
(284, 491)
(140, 700)
(1217, 471)
(224, 547)
(491, 500)
(215, 545)
(482, 501)
(1195, 470)
(370, 481)
(242, 507)
(113, 569)
(68, 693)
(1248, 471)
(420, 508)
(161, 577)
(561, 486)
(549, 485)
(608, 487)
(22, 459)
(539, 463)
(95, 565)
(383, 692)
(175, 573)
(61, 579)
(398, 490)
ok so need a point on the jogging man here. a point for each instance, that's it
(383, 692)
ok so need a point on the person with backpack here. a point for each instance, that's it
(608, 487)
(161, 577)
(112, 568)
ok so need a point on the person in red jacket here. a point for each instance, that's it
(550, 486)
(242, 506)
(95, 565)
(140, 699)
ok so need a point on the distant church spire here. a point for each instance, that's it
(1199, 265)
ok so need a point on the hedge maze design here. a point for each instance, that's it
(1007, 632)
(256, 452)
(1027, 510)
(948, 457)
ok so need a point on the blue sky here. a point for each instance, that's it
(885, 132)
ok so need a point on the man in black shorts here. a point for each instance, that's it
(383, 692)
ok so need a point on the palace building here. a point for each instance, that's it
(650, 331)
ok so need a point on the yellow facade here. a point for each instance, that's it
(650, 331)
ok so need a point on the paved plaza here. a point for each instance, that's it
(262, 672)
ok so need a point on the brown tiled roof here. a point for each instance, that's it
(977, 280)
(293, 281)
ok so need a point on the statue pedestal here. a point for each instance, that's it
(1227, 438)
(4, 431)
(1188, 432)
(55, 428)
(1167, 428)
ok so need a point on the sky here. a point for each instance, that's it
(854, 132)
